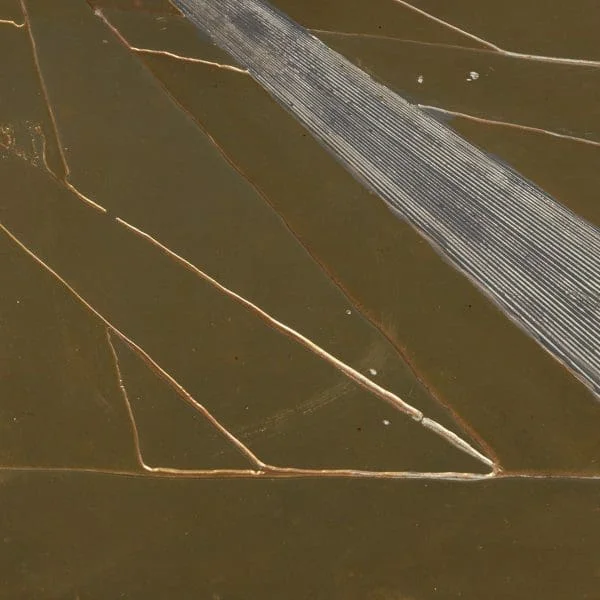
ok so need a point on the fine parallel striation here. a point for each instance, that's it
(535, 258)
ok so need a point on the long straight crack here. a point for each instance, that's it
(181, 391)
(536, 259)
(347, 370)
(438, 109)
(459, 420)
(344, 368)
(500, 50)
(508, 124)
(356, 376)
(135, 431)
(98, 12)
(269, 473)
(187, 59)
(66, 178)
(302, 474)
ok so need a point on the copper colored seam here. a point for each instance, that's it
(142, 353)
(493, 458)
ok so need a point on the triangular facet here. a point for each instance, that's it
(172, 433)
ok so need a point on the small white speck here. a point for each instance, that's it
(373, 372)
(473, 75)
(420, 79)
(348, 311)
(18, 302)
(386, 422)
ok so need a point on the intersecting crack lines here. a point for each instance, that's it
(99, 13)
(427, 423)
(347, 293)
(134, 427)
(65, 179)
(351, 373)
(425, 107)
(295, 470)
(347, 370)
(456, 417)
(168, 54)
(261, 466)
(440, 110)
(188, 72)
(168, 432)
(149, 361)
(494, 47)
(59, 403)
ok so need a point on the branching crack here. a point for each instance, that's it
(347, 370)
(344, 368)
(460, 421)
(262, 469)
(386, 395)
(350, 372)
(182, 394)
(181, 391)
(98, 12)
(496, 48)
(66, 178)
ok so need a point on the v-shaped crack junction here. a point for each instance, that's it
(348, 371)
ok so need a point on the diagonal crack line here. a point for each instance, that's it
(188, 59)
(53, 120)
(344, 368)
(454, 113)
(195, 60)
(350, 372)
(457, 418)
(65, 182)
(537, 264)
(134, 429)
(391, 38)
(265, 471)
(43, 86)
(12, 23)
(500, 50)
(98, 12)
(182, 392)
